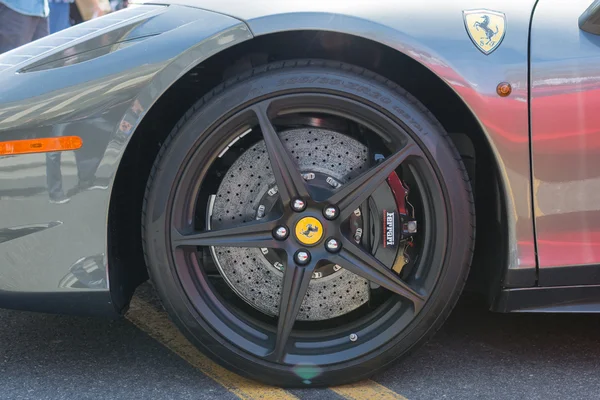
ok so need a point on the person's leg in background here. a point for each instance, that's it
(22, 22)
(59, 16)
(41, 28)
(16, 29)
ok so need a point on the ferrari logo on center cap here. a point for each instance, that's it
(485, 28)
(309, 231)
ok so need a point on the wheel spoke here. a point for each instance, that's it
(254, 234)
(290, 183)
(293, 291)
(352, 195)
(363, 264)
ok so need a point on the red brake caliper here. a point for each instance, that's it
(408, 223)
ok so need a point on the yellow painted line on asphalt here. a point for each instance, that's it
(157, 324)
(367, 390)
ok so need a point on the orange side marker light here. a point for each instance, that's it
(42, 145)
(504, 89)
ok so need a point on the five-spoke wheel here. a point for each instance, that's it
(312, 233)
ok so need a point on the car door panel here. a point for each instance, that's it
(565, 131)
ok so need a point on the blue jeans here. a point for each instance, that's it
(59, 17)
(18, 29)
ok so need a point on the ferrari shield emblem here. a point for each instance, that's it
(485, 28)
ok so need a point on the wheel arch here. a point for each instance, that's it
(398, 58)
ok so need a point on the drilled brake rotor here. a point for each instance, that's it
(322, 155)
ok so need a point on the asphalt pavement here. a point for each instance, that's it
(476, 355)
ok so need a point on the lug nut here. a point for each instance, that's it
(353, 337)
(330, 212)
(302, 257)
(281, 232)
(298, 205)
(333, 245)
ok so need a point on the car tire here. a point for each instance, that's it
(203, 318)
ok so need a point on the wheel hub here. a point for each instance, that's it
(309, 231)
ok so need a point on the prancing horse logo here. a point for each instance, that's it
(485, 28)
(310, 229)
(489, 33)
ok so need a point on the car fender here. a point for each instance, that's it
(96, 81)
(433, 33)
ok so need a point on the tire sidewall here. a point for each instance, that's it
(355, 83)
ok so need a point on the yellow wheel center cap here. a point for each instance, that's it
(309, 231)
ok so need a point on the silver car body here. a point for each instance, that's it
(132, 57)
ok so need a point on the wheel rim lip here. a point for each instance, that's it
(208, 298)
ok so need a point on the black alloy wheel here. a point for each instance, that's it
(307, 223)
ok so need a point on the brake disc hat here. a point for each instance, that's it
(250, 272)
